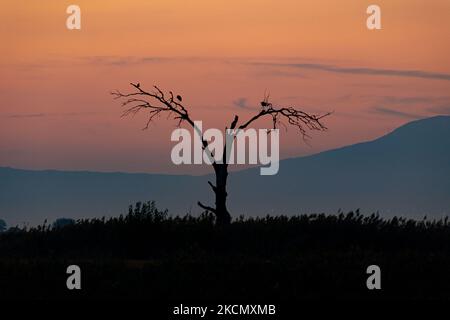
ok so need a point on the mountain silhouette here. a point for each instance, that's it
(406, 172)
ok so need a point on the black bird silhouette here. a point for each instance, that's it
(179, 98)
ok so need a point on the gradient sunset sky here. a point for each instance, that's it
(221, 56)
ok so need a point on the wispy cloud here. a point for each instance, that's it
(121, 61)
(241, 103)
(395, 113)
(440, 109)
(137, 60)
(43, 114)
(407, 100)
(360, 70)
(429, 104)
(280, 66)
(24, 115)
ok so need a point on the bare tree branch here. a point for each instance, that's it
(206, 207)
(234, 123)
(156, 103)
(297, 118)
(212, 186)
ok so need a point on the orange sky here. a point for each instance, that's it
(56, 111)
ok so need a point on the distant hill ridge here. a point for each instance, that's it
(406, 172)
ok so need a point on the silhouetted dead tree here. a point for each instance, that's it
(158, 102)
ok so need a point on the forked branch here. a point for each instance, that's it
(157, 102)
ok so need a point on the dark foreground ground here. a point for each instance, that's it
(148, 255)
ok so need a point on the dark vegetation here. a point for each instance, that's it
(149, 254)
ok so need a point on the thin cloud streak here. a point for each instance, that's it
(241, 103)
(28, 115)
(42, 114)
(122, 61)
(440, 109)
(395, 113)
(361, 70)
(408, 100)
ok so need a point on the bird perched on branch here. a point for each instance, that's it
(265, 104)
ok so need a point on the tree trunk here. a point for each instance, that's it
(223, 217)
